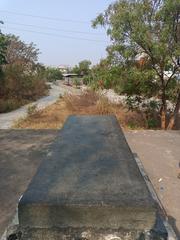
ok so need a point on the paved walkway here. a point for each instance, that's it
(7, 119)
(159, 152)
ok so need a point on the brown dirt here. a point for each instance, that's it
(54, 116)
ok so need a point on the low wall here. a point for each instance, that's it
(88, 188)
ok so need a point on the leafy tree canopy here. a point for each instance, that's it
(3, 47)
(53, 74)
(20, 52)
(83, 67)
(145, 38)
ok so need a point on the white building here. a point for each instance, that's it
(63, 68)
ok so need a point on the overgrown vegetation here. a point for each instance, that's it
(103, 75)
(143, 63)
(22, 78)
(88, 103)
(83, 68)
(144, 59)
(77, 82)
(53, 74)
(32, 110)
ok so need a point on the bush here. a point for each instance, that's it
(132, 125)
(148, 108)
(7, 105)
(19, 87)
(22, 79)
(32, 109)
(87, 80)
(21, 84)
(75, 102)
(134, 119)
(53, 74)
(77, 82)
(152, 123)
(104, 106)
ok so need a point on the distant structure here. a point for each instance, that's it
(64, 69)
(68, 77)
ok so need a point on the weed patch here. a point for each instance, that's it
(88, 103)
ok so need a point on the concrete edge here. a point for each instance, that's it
(12, 227)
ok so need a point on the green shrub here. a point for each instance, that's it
(21, 84)
(87, 79)
(77, 82)
(53, 74)
(133, 125)
(152, 123)
(32, 109)
(7, 105)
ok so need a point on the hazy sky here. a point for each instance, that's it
(69, 17)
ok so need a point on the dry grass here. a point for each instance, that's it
(51, 117)
(89, 103)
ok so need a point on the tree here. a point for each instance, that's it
(151, 28)
(83, 67)
(103, 75)
(21, 60)
(19, 52)
(3, 48)
(53, 74)
(22, 85)
(22, 78)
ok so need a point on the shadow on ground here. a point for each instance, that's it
(172, 222)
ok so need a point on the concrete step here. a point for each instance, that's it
(89, 182)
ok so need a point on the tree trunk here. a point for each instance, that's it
(175, 114)
(163, 119)
(163, 111)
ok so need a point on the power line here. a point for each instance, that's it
(44, 17)
(56, 35)
(54, 29)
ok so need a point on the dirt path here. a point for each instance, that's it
(7, 119)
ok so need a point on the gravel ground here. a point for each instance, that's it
(21, 152)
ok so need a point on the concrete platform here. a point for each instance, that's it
(90, 180)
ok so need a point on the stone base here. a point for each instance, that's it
(85, 234)
(15, 232)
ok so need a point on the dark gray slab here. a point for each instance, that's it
(90, 180)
